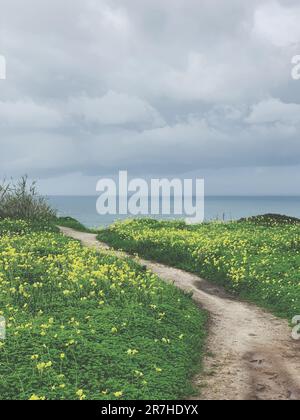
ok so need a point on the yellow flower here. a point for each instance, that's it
(132, 352)
(36, 398)
(80, 394)
(42, 366)
(138, 373)
(118, 394)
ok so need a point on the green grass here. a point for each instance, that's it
(257, 259)
(271, 220)
(69, 222)
(85, 325)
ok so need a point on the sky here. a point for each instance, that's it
(172, 88)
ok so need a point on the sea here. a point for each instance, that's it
(83, 208)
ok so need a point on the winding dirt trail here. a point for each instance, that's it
(251, 354)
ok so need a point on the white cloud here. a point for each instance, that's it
(26, 114)
(274, 111)
(278, 23)
(151, 86)
(114, 109)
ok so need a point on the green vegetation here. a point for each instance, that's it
(81, 325)
(271, 220)
(20, 200)
(69, 222)
(257, 259)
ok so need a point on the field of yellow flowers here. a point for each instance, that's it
(258, 260)
(81, 325)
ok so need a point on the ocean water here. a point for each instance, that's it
(83, 208)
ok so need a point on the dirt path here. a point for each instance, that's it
(251, 353)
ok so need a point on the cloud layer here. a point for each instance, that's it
(154, 87)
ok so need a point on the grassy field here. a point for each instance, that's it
(81, 325)
(256, 259)
(69, 222)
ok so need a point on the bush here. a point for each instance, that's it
(271, 220)
(20, 200)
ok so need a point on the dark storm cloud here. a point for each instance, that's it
(154, 86)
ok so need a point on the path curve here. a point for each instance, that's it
(251, 354)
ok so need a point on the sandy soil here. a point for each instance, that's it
(250, 353)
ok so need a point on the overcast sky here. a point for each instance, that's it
(157, 87)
